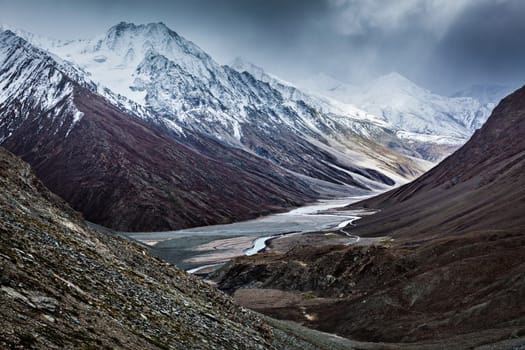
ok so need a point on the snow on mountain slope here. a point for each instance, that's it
(418, 110)
(324, 85)
(138, 62)
(322, 103)
(80, 75)
(171, 77)
(414, 112)
(28, 79)
(430, 147)
(485, 93)
(113, 59)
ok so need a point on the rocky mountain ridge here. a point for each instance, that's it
(53, 112)
(156, 68)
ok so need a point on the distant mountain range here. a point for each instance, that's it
(141, 130)
(430, 124)
(414, 112)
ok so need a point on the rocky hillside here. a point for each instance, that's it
(461, 293)
(64, 286)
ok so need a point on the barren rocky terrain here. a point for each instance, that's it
(460, 293)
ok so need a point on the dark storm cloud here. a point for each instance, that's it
(441, 44)
(487, 43)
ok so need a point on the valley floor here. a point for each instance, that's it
(211, 245)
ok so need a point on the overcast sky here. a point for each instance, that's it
(444, 45)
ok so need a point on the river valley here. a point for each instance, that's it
(208, 247)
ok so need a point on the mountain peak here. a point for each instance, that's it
(135, 40)
(122, 27)
(9, 39)
(393, 84)
(8, 35)
(395, 76)
(398, 81)
(4, 34)
(6, 28)
(125, 32)
(241, 65)
(38, 41)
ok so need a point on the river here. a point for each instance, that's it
(210, 245)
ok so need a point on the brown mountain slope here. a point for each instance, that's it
(125, 174)
(479, 187)
(64, 286)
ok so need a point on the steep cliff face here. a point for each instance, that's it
(63, 285)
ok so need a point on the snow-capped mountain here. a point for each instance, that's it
(356, 117)
(28, 78)
(170, 76)
(415, 113)
(431, 147)
(420, 112)
(155, 67)
(122, 170)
